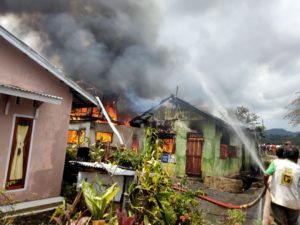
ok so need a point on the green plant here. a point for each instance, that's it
(127, 158)
(68, 191)
(183, 180)
(153, 200)
(124, 219)
(64, 217)
(96, 151)
(150, 197)
(98, 203)
(70, 216)
(258, 222)
(235, 216)
(197, 217)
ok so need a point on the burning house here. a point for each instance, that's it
(36, 101)
(88, 124)
(194, 142)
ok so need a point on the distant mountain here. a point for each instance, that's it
(281, 132)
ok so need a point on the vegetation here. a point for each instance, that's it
(293, 114)
(96, 203)
(235, 217)
(153, 200)
(280, 139)
(127, 158)
(246, 117)
(96, 154)
(124, 219)
(70, 216)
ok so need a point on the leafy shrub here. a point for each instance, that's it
(153, 200)
(127, 158)
(96, 202)
(235, 216)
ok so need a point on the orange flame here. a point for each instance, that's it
(111, 110)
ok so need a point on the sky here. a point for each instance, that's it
(220, 54)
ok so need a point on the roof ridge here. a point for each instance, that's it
(43, 62)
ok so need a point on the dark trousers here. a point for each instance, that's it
(283, 215)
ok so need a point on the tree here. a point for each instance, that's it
(293, 114)
(246, 117)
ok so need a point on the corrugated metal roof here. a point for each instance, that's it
(111, 169)
(45, 64)
(26, 93)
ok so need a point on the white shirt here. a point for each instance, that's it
(285, 184)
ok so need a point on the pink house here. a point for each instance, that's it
(35, 105)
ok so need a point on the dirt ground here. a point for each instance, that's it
(36, 219)
(216, 214)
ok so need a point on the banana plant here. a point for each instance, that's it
(98, 203)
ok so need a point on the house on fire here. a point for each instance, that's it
(36, 101)
(194, 142)
(88, 124)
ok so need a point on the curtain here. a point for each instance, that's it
(16, 172)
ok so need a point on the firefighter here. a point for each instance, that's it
(285, 188)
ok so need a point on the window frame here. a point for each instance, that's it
(104, 132)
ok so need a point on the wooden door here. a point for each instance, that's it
(19, 153)
(194, 154)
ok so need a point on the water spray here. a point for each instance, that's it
(236, 128)
(109, 121)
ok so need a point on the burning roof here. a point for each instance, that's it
(177, 105)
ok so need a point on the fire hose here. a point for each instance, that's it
(225, 205)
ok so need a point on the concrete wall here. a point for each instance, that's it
(229, 166)
(212, 164)
(49, 140)
(209, 148)
(180, 152)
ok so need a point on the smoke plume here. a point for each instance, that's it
(110, 44)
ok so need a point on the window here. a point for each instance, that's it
(76, 136)
(19, 153)
(167, 142)
(223, 151)
(168, 145)
(105, 137)
(227, 151)
(232, 152)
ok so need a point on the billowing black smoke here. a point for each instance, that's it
(111, 44)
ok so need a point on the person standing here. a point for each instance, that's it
(287, 145)
(285, 188)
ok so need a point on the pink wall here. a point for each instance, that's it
(50, 128)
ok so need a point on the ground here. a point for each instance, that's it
(37, 219)
(214, 214)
